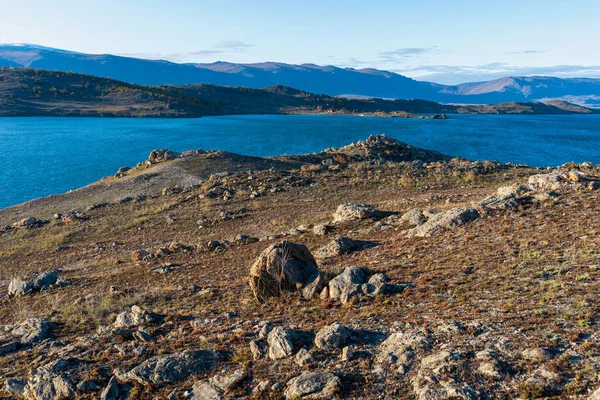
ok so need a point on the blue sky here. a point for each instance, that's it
(445, 41)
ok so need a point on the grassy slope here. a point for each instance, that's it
(519, 279)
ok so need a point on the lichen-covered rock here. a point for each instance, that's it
(281, 343)
(281, 267)
(174, 367)
(347, 285)
(447, 220)
(332, 337)
(355, 212)
(313, 385)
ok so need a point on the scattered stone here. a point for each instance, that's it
(140, 255)
(536, 354)
(29, 223)
(218, 386)
(87, 386)
(281, 343)
(45, 279)
(347, 285)
(258, 349)
(314, 285)
(15, 386)
(321, 229)
(18, 287)
(245, 239)
(446, 220)
(341, 245)
(399, 348)
(32, 330)
(313, 385)
(121, 172)
(498, 202)
(347, 353)
(111, 391)
(355, 212)
(282, 267)
(174, 367)
(413, 217)
(304, 358)
(332, 337)
(352, 282)
(137, 316)
(260, 388)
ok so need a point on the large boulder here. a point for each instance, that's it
(447, 220)
(174, 367)
(313, 385)
(355, 212)
(282, 267)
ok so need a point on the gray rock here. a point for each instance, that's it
(45, 279)
(87, 386)
(218, 386)
(111, 391)
(281, 343)
(174, 367)
(447, 220)
(321, 229)
(347, 285)
(18, 287)
(355, 212)
(136, 317)
(314, 285)
(303, 357)
(498, 202)
(338, 246)
(332, 337)
(515, 190)
(413, 217)
(15, 386)
(32, 330)
(399, 347)
(63, 387)
(313, 385)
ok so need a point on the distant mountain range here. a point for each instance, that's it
(328, 80)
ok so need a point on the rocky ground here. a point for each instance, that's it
(373, 271)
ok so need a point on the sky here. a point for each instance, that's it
(443, 41)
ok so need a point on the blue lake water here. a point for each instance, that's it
(42, 156)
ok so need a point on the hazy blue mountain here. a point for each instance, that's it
(308, 77)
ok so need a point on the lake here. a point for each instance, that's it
(43, 156)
